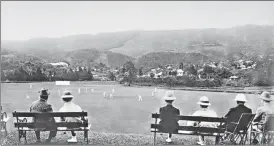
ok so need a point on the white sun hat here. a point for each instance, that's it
(169, 95)
(204, 101)
(67, 94)
(240, 97)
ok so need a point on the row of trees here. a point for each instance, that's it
(30, 72)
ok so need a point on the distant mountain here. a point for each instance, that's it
(116, 48)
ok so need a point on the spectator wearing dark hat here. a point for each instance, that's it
(41, 105)
(265, 110)
(69, 106)
(262, 113)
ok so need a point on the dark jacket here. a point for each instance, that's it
(169, 120)
(44, 107)
(235, 113)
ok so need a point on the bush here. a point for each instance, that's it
(179, 81)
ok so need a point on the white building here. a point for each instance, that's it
(63, 64)
(180, 72)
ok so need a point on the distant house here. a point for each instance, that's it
(59, 64)
(233, 77)
(180, 72)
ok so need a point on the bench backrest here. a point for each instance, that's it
(197, 119)
(52, 114)
(21, 118)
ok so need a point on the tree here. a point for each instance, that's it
(181, 65)
(208, 70)
(152, 75)
(140, 72)
(111, 76)
(130, 74)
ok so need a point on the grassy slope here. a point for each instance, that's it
(108, 139)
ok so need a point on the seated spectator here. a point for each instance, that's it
(234, 114)
(262, 113)
(203, 112)
(41, 105)
(168, 116)
(69, 106)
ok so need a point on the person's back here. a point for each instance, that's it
(69, 106)
(205, 112)
(47, 121)
(43, 107)
(169, 116)
(235, 113)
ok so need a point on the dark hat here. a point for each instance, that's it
(67, 94)
(43, 92)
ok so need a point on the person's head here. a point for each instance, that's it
(169, 101)
(169, 97)
(204, 102)
(67, 96)
(44, 94)
(240, 99)
(265, 98)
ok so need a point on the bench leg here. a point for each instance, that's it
(154, 138)
(86, 135)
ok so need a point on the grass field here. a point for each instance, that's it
(124, 113)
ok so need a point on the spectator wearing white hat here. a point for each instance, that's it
(234, 114)
(168, 116)
(69, 106)
(203, 112)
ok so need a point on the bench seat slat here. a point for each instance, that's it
(198, 129)
(195, 118)
(59, 124)
(53, 114)
(58, 129)
(192, 133)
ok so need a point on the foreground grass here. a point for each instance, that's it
(96, 138)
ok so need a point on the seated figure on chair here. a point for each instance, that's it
(69, 106)
(41, 105)
(203, 112)
(234, 114)
(262, 114)
(168, 116)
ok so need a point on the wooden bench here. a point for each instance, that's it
(191, 130)
(24, 125)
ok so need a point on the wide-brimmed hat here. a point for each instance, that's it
(266, 96)
(67, 94)
(204, 101)
(43, 92)
(240, 97)
(169, 95)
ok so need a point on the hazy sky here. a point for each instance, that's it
(24, 20)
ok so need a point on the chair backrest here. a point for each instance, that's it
(244, 122)
(269, 126)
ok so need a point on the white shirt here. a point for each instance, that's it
(205, 112)
(71, 107)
